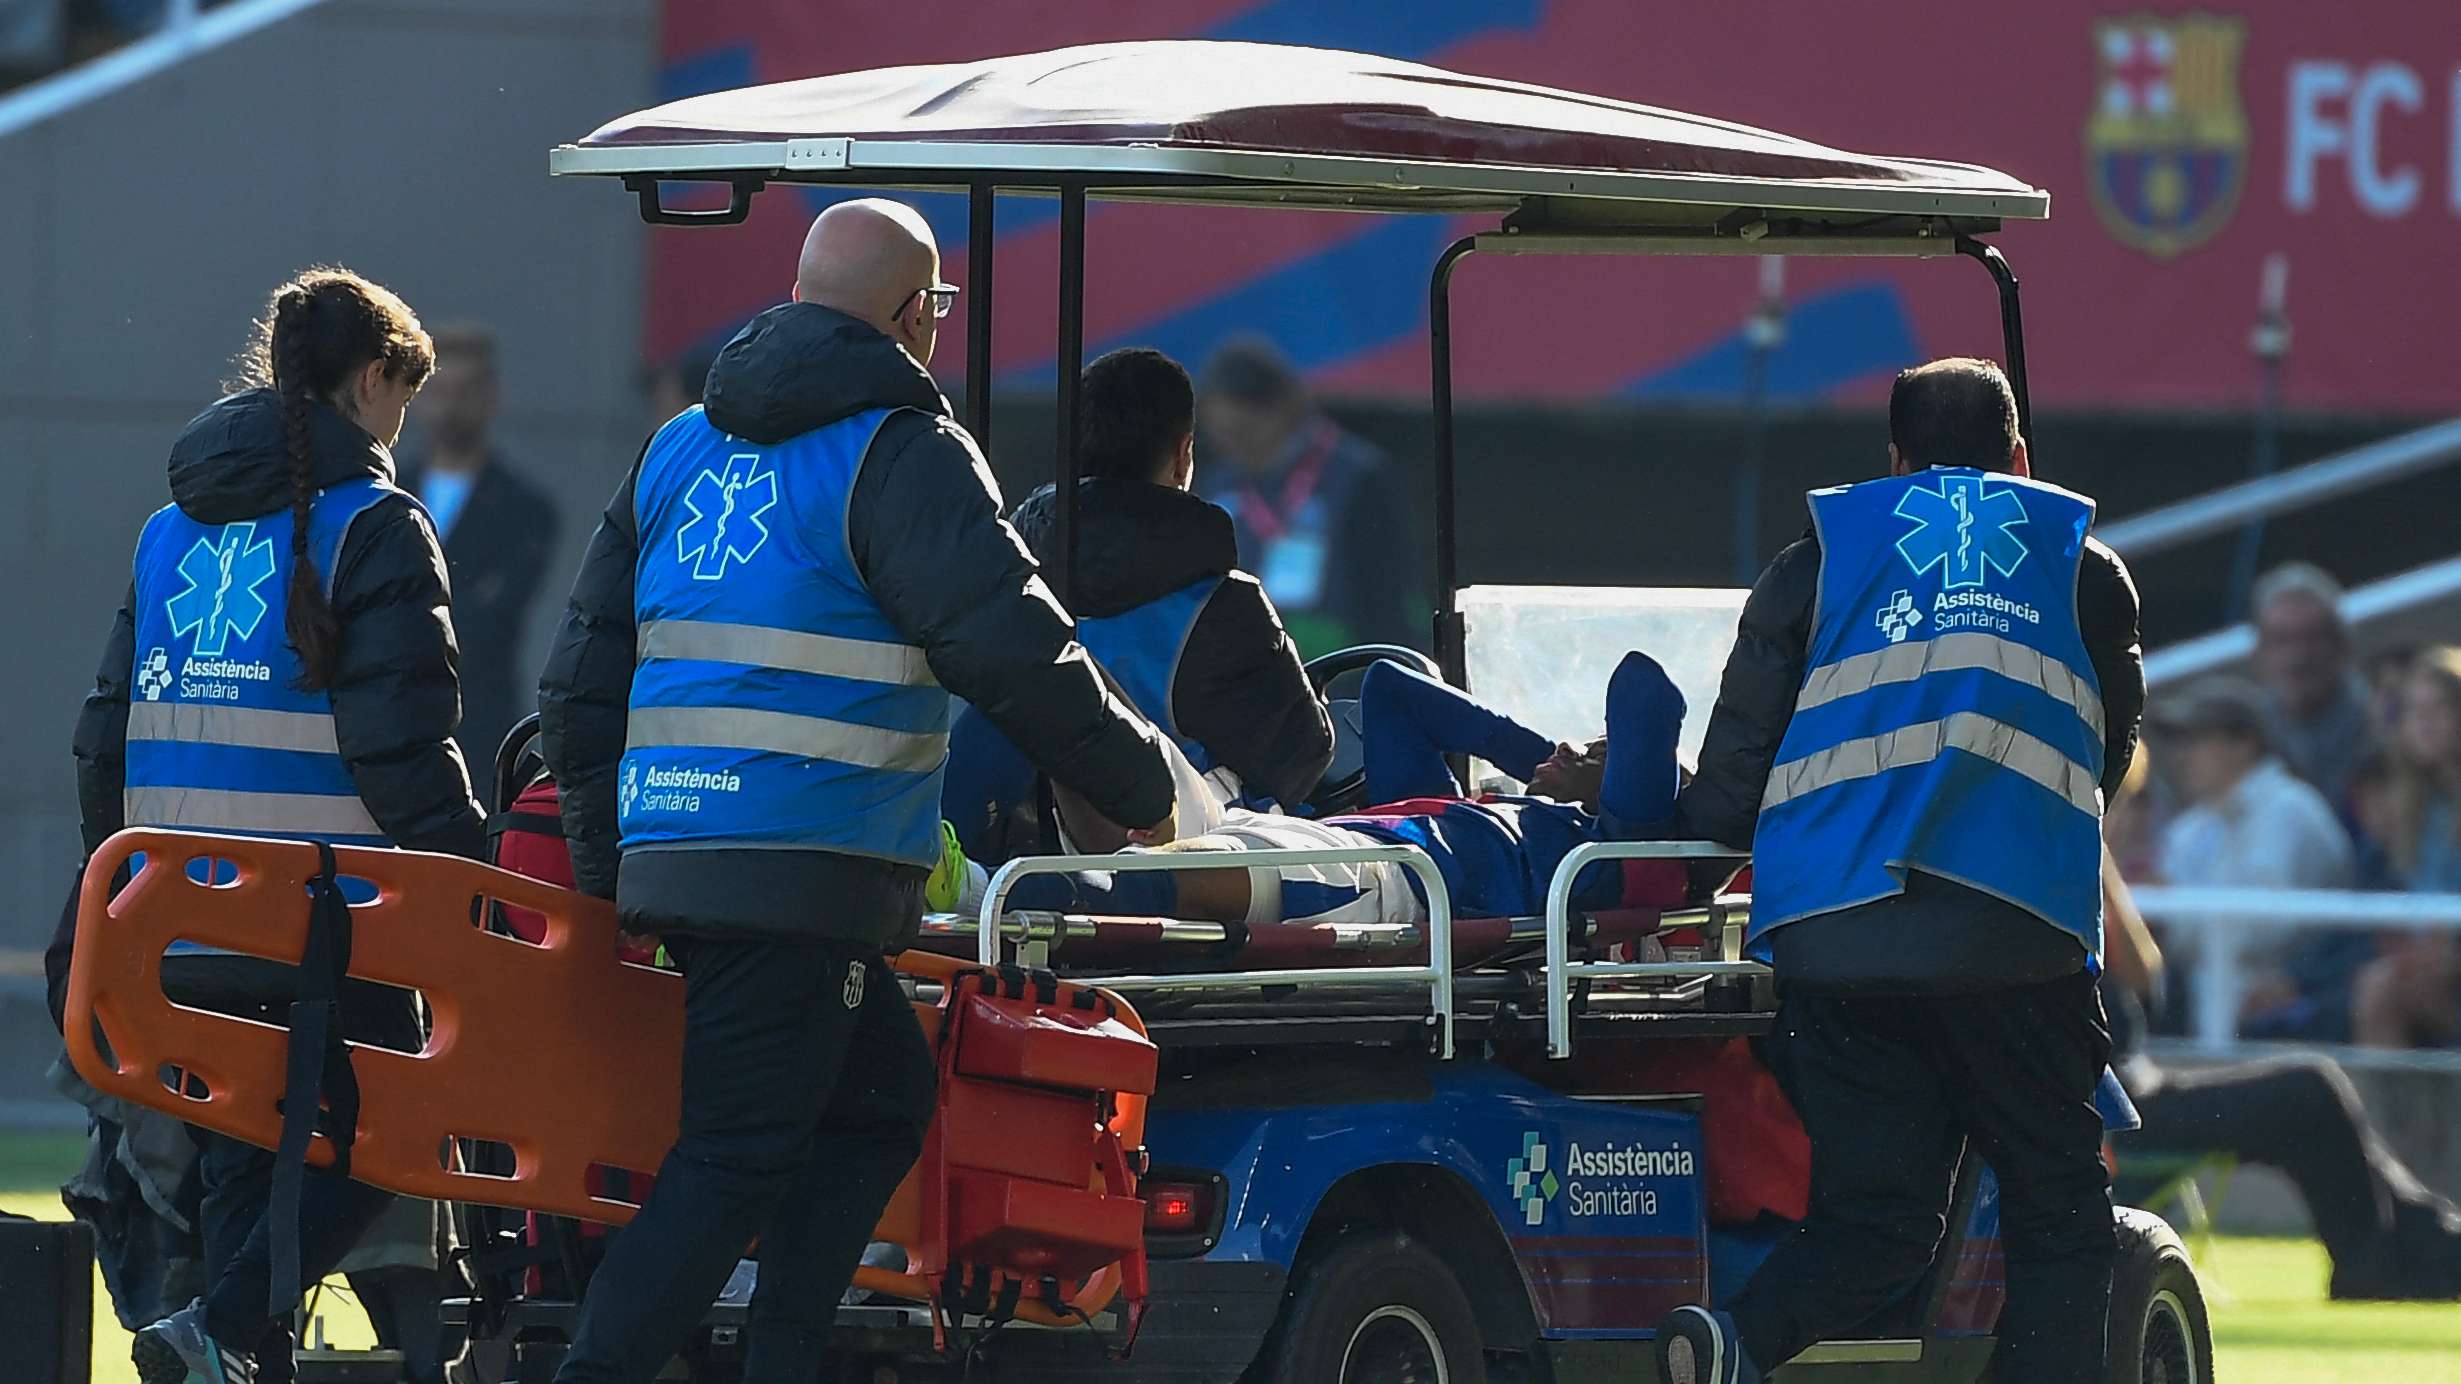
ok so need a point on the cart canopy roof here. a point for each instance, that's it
(1257, 124)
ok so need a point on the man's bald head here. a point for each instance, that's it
(866, 259)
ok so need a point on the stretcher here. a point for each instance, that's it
(1023, 1204)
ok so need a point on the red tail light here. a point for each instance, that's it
(1177, 1208)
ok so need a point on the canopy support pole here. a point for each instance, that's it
(2012, 326)
(1071, 365)
(981, 231)
(1451, 652)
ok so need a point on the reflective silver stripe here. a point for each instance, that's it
(309, 732)
(762, 647)
(812, 737)
(275, 814)
(1953, 653)
(1924, 741)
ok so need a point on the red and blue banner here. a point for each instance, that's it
(2183, 150)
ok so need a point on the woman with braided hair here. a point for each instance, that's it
(283, 666)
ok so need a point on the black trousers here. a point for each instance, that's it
(1890, 1088)
(2388, 1234)
(237, 1178)
(807, 1086)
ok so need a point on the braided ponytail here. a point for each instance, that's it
(308, 617)
(323, 329)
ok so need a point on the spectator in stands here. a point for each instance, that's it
(1317, 508)
(2247, 822)
(498, 529)
(2317, 706)
(2388, 672)
(2408, 997)
(1160, 601)
(33, 38)
(2371, 814)
(675, 386)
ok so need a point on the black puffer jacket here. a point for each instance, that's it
(924, 523)
(1938, 936)
(1239, 690)
(396, 694)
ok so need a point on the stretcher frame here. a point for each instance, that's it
(1570, 988)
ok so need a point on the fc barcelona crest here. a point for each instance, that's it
(2166, 148)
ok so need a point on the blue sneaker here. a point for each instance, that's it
(1698, 1346)
(176, 1350)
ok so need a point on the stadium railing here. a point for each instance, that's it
(2228, 921)
(188, 27)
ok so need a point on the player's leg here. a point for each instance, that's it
(1644, 721)
(1408, 723)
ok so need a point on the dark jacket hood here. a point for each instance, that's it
(801, 366)
(1135, 541)
(232, 461)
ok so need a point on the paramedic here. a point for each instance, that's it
(1928, 698)
(284, 666)
(1160, 601)
(747, 707)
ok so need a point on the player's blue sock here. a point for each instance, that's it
(1644, 720)
(1128, 893)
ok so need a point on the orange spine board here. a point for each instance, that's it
(558, 1050)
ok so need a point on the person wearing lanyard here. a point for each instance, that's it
(283, 666)
(1930, 696)
(1314, 507)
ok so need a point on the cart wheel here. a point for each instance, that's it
(1377, 1308)
(2158, 1333)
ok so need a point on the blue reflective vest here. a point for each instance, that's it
(220, 737)
(773, 705)
(1140, 648)
(1949, 719)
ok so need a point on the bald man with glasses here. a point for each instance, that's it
(747, 707)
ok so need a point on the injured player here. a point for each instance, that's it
(1496, 852)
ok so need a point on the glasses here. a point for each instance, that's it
(943, 299)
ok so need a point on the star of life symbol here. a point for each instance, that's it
(629, 792)
(1898, 618)
(221, 597)
(1532, 1184)
(154, 674)
(727, 504)
(1962, 528)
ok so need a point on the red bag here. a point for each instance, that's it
(530, 841)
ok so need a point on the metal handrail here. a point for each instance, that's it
(1562, 969)
(185, 32)
(2231, 506)
(1436, 975)
(2437, 581)
(2223, 917)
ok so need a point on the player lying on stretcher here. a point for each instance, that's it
(1496, 852)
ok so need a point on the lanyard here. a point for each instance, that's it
(1271, 521)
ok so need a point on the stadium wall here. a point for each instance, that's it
(404, 138)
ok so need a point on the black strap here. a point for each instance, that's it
(316, 1073)
(531, 823)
